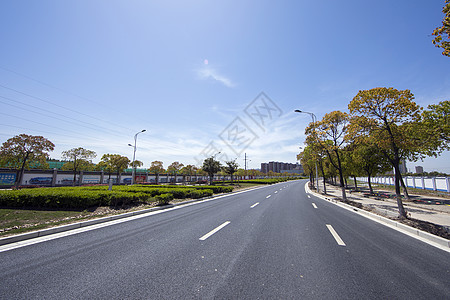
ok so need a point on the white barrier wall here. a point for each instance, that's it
(425, 183)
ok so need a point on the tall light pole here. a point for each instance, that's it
(314, 119)
(134, 156)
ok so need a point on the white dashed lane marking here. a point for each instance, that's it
(335, 235)
(214, 231)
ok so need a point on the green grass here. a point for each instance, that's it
(34, 209)
(35, 219)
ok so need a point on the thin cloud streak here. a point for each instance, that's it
(207, 72)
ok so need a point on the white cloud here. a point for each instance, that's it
(208, 72)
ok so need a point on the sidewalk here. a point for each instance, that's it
(429, 209)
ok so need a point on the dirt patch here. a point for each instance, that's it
(427, 227)
(432, 228)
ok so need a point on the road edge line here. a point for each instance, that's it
(58, 229)
(431, 239)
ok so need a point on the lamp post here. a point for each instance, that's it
(134, 156)
(314, 119)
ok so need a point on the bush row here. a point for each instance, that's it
(84, 197)
(68, 198)
(263, 181)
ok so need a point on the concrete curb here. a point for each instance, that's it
(62, 228)
(431, 239)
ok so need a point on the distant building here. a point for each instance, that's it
(402, 166)
(419, 170)
(281, 167)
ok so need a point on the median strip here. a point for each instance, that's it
(214, 231)
(335, 235)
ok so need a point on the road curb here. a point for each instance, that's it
(431, 239)
(62, 228)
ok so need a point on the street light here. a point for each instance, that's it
(134, 156)
(314, 119)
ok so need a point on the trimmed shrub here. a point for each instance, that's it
(164, 199)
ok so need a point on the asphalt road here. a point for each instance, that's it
(289, 245)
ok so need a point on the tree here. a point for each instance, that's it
(115, 162)
(435, 127)
(174, 169)
(442, 34)
(230, 168)
(387, 115)
(156, 168)
(79, 158)
(331, 132)
(211, 166)
(22, 150)
(188, 171)
(367, 157)
(136, 164)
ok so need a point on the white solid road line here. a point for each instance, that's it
(268, 196)
(32, 241)
(314, 205)
(335, 235)
(254, 205)
(214, 231)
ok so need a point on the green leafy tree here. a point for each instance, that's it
(136, 164)
(211, 166)
(230, 168)
(156, 168)
(188, 170)
(387, 115)
(365, 158)
(331, 132)
(79, 159)
(442, 34)
(435, 128)
(175, 169)
(115, 162)
(22, 150)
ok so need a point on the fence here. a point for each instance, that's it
(424, 183)
(54, 177)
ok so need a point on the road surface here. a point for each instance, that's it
(275, 242)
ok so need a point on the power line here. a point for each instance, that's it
(16, 117)
(63, 107)
(23, 108)
(57, 88)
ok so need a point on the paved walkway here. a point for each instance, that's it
(426, 208)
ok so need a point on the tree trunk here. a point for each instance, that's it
(405, 190)
(341, 177)
(370, 184)
(396, 161)
(211, 177)
(401, 209)
(323, 179)
(356, 184)
(19, 175)
(74, 171)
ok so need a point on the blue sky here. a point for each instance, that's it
(93, 73)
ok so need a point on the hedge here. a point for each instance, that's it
(84, 197)
(67, 198)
